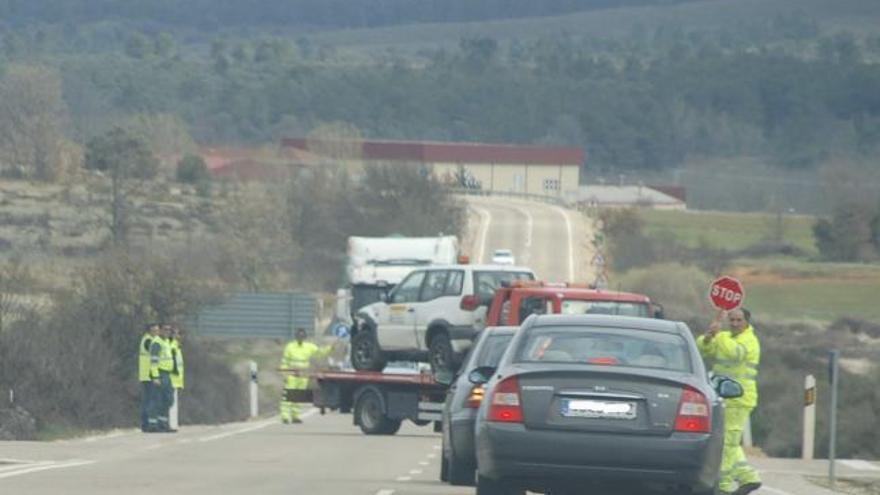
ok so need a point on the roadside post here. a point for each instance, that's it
(173, 413)
(809, 438)
(834, 356)
(254, 390)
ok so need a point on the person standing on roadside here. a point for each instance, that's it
(736, 353)
(151, 332)
(177, 373)
(161, 366)
(297, 356)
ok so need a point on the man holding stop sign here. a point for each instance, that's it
(736, 353)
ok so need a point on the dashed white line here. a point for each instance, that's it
(404, 478)
(437, 447)
(570, 243)
(255, 427)
(424, 463)
(415, 471)
(44, 467)
(385, 492)
(484, 231)
(108, 436)
(431, 456)
(529, 229)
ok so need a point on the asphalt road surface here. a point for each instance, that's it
(326, 455)
(553, 241)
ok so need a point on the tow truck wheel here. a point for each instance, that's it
(441, 355)
(370, 416)
(365, 352)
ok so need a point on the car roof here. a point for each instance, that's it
(488, 268)
(612, 321)
(503, 251)
(505, 330)
(584, 294)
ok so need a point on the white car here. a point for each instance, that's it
(432, 315)
(503, 257)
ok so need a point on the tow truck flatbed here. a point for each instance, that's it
(380, 401)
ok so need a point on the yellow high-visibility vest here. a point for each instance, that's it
(144, 357)
(736, 357)
(177, 358)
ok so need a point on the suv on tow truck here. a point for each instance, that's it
(433, 314)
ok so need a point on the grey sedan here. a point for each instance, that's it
(589, 400)
(460, 410)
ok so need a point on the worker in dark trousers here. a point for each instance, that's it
(151, 331)
(161, 367)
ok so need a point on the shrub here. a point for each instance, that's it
(191, 169)
(681, 289)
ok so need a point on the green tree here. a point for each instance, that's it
(192, 169)
(123, 157)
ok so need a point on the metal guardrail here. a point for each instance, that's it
(556, 200)
(260, 315)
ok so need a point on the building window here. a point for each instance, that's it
(551, 184)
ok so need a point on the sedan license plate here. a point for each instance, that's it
(572, 408)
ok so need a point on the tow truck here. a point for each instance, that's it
(381, 400)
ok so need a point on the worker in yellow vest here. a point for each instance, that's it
(297, 356)
(161, 366)
(736, 353)
(152, 330)
(177, 374)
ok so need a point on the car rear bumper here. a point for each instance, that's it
(540, 458)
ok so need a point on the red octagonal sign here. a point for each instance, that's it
(727, 293)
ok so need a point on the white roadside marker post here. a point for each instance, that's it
(809, 438)
(254, 391)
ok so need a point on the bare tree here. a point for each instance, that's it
(32, 111)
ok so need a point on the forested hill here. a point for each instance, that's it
(298, 13)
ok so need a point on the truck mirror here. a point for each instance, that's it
(444, 377)
(658, 312)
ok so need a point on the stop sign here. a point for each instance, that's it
(726, 293)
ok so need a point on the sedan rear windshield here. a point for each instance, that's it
(580, 307)
(492, 350)
(604, 346)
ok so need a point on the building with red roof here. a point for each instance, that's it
(539, 170)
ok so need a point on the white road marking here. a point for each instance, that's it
(16, 461)
(424, 463)
(859, 465)
(570, 243)
(484, 231)
(404, 478)
(44, 466)
(385, 492)
(431, 456)
(108, 436)
(529, 229)
(765, 488)
(415, 471)
(437, 447)
(255, 427)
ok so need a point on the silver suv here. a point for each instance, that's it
(432, 315)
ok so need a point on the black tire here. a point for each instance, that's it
(371, 418)
(460, 473)
(366, 355)
(488, 486)
(444, 469)
(440, 354)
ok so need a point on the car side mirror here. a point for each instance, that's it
(444, 377)
(481, 375)
(729, 389)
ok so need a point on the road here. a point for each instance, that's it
(326, 455)
(553, 241)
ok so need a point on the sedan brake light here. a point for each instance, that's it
(693, 413)
(506, 406)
